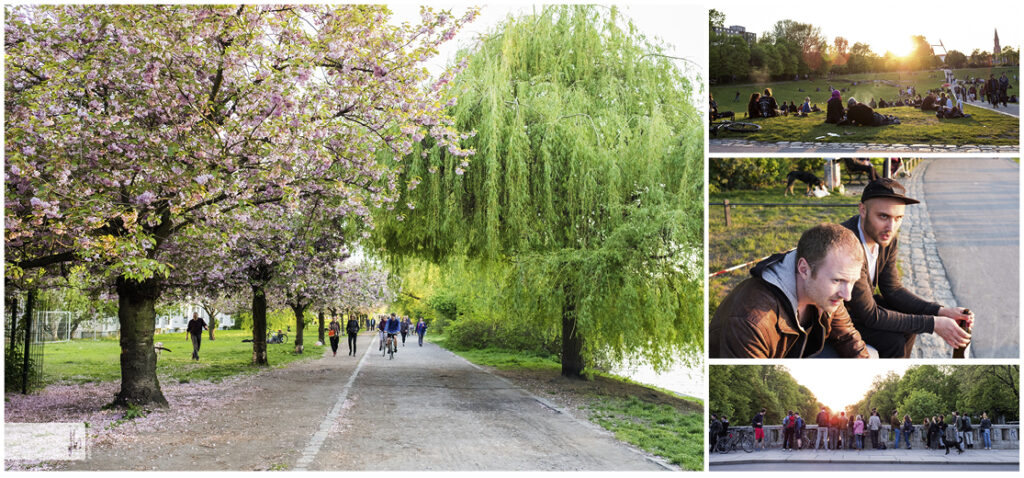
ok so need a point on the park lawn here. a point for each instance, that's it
(759, 231)
(790, 90)
(87, 360)
(917, 127)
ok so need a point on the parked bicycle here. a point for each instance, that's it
(734, 126)
(277, 337)
(734, 440)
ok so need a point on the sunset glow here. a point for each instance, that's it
(838, 383)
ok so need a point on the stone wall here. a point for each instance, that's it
(1004, 437)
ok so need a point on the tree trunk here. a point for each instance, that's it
(12, 332)
(30, 305)
(259, 326)
(137, 315)
(572, 343)
(320, 331)
(212, 314)
(300, 323)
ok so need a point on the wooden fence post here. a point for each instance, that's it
(728, 219)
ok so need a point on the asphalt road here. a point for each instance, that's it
(973, 205)
(427, 409)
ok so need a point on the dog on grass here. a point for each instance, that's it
(815, 186)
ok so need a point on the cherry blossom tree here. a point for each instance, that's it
(128, 124)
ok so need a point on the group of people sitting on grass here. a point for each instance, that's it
(764, 105)
(855, 113)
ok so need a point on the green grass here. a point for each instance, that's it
(758, 231)
(82, 361)
(658, 429)
(984, 127)
(502, 359)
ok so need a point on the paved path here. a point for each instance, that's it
(732, 146)
(1011, 109)
(974, 208)
(841, 459)
(427, 409)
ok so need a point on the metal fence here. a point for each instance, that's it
(23, 359)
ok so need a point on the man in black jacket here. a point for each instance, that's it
(890, 320)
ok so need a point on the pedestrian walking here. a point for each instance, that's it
(353, 332)
(334, 335)
(195, 329)
(421, 329)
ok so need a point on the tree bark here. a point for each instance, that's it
(320, 318)
(300, 323)
(30, 305)
(259, 326)
(572, 343)
(137, 314)
(212, 313)
(14, 326)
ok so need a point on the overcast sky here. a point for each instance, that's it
(888, 25)
(838, 383)
(681, 25)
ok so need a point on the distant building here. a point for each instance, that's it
(996, 50)
(737, 30)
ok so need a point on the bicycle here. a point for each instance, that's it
(277, 337)
(734, 126)
(741, 439)
(389, 346)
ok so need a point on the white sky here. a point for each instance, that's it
(888, 25)
(838, 383)
(681, 25)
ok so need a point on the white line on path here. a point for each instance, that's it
(984, 106)
(316, 442)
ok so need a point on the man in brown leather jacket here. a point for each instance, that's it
(793, 304)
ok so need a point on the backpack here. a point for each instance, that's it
(790, 424)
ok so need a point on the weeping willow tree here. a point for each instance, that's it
(584, 195)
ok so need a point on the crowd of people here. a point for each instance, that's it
(946, 102)
(837, 431)
(388, 326)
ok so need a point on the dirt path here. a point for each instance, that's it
(425, 410)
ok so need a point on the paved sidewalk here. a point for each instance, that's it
(718, 146)
(1011, 109)
(914, 456)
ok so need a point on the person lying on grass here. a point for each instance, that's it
(861, 114)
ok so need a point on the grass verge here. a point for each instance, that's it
(657, 421)
(758, 231)
(86, 360)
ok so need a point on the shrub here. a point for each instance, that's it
(480, 333)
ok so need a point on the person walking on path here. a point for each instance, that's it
(822, 422)
(874, 424)
(406, 325)
(194, 329)
(986, 431)
(334, 334)
(421, 329)
(353, 331)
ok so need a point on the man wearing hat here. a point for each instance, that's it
(890, 320)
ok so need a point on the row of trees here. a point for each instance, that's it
(740, 391)
(923, 391)
(793, 49)
(927, 390)
(202, 150)
(255, 150)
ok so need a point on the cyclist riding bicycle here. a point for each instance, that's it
(380, 331)
(393, 327)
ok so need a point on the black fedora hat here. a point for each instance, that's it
(886, 188)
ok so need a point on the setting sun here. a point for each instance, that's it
(899, 46)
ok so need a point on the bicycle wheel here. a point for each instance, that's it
(284, 338)
(747, 443)
(743, 127)
(391, 350)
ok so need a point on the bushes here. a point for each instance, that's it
(480, 333)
